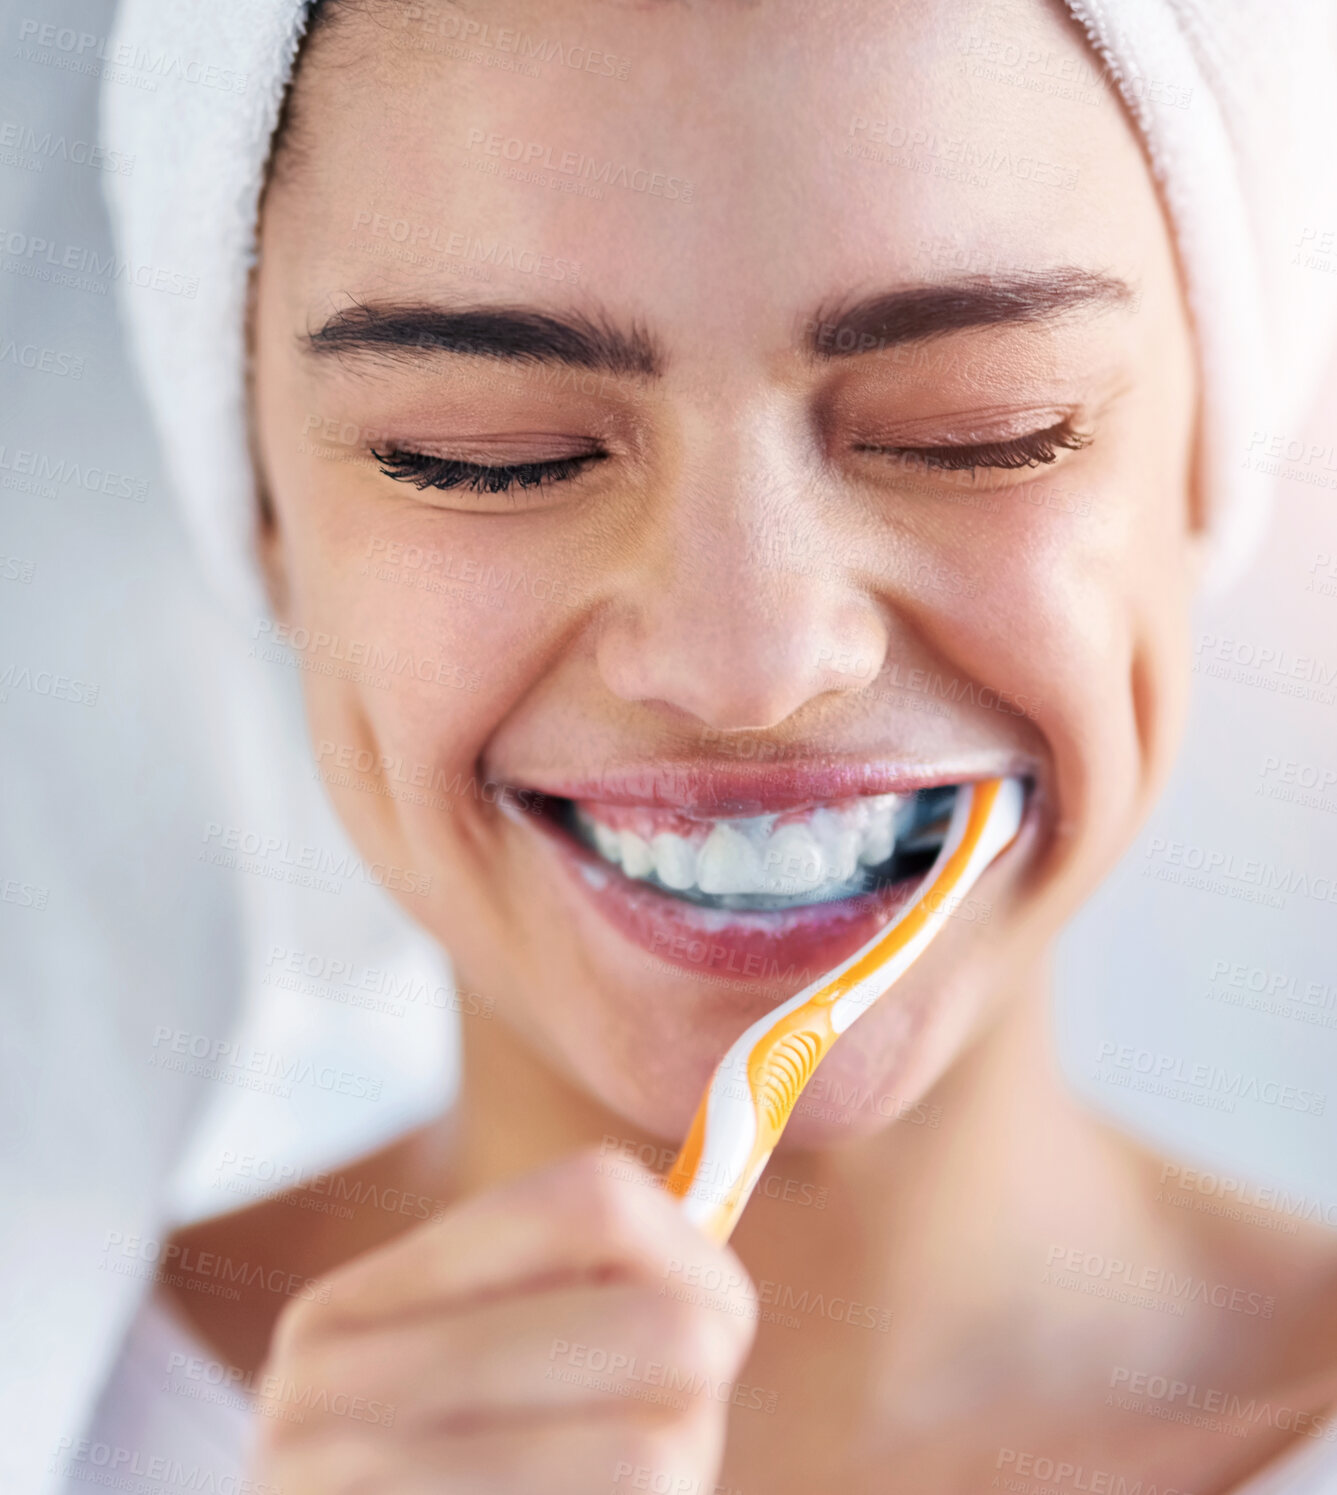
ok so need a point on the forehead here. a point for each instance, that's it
(714, 158)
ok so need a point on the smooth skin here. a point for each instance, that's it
(741, 578)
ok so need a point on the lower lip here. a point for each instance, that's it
(796, 945)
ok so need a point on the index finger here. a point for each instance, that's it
(576, 1221)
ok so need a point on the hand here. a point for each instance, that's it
(535, 1340)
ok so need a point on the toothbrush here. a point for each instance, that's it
(757, 1084)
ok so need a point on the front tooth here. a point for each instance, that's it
(793, 862)
(608, 841)
(839, 841)
(637, 860)
(675, 861)
(729, 862)
(751, 856)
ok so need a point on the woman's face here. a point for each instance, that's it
(835, 368)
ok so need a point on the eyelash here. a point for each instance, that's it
(1037, 449)
(448, 472)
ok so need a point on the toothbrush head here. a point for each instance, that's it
(757, 1084)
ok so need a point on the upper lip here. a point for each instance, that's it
(735, 789)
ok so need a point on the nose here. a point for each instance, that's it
(734, 606)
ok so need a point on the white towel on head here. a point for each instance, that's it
(1232, 98)
(1237, 125)
(190, 209)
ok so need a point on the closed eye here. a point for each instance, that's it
(1036, 449)
(425, 471)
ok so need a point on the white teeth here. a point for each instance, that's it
(840, 841)
(878, 839)
(636, 857)
(879, 835)
(729, 862)
(812, 858)
(675, 861)
(794, 862)
(607, 841)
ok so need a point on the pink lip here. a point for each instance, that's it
(718, 790)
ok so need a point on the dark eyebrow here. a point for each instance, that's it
(513, 334)
(520, 334)
(844, 329)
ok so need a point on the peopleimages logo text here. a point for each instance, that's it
(535, 155)
(37, 252)
(86, 48)
(1215, 1078)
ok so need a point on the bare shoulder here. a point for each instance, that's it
(232, 1275)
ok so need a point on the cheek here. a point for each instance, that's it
(1064, 598)
(420, 631)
